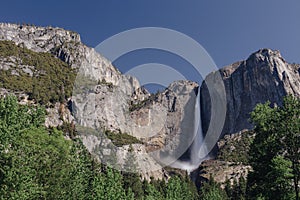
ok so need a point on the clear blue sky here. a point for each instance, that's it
(229, 30)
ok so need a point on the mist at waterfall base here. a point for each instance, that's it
(195, 157)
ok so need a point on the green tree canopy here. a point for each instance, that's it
(275, 152)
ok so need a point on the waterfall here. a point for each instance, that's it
(197, 145)
(195, 157)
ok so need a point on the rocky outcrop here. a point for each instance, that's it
(113, 92)
(57, 115)
(232, 160)
(221, 171)
(104, 99)
(163, 122)
(67, 46)
(264, 76)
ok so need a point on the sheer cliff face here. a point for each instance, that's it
(113, 95)
(67, 46)
(264, 76)
(163, 121)
(114, 101)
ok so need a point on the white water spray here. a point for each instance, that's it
(198, 150)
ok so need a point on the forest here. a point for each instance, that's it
(43, 163)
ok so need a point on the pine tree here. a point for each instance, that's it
(242, 187)
(180, 188)
(151, 193)
(228, 188)
(80, 172)
(174, 189)
(277, 142)
(212, 190)
(130, 175)
(109, 185)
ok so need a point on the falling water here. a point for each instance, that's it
(198, 145)
(195, 157)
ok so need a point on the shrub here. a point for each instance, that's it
(120, 139)
(52, 79)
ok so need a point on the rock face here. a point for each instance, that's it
(264, 76)
(222, 171)
(104, 99)
(67, 46)
(232, 161)
(162, 121)
(108, 106)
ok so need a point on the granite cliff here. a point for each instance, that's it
(264, 76)
(115, 104)
(103, 98)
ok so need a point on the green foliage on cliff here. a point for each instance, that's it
(119, 139)
(236, 149)
(51, 79)
(146, 102)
